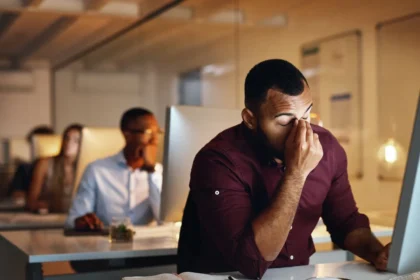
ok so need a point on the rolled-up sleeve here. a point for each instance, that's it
(225, 212)
(340, 212)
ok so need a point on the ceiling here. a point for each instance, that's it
(61, 31)
(58, 30)
(191, 25)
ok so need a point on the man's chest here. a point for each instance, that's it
(268, 182)
(120, 187)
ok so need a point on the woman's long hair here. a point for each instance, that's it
(58, 173)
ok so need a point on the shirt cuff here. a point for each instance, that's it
(249, 248)
(355, 221)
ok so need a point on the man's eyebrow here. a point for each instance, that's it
(292, 115)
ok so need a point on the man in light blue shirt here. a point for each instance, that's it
(127, 184)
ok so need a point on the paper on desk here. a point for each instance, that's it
(165, 276)
(156, 231)
(413, 276)
(182, 276)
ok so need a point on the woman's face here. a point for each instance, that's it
(72, 143)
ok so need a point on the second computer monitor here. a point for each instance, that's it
(188, 129)
(405, 250)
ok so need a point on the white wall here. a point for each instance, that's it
(307, 22)
(22, 109)
(218, 91)
(99, 98)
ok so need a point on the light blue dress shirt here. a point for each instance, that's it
(110, 188)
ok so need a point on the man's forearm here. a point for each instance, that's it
(364, 244)
(272, 226)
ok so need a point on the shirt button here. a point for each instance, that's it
(217, 192)
(292, 257)
(291, 227)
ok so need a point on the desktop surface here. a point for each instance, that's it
(349, 270)
(52, 246)
(27, 221)
(331, 271)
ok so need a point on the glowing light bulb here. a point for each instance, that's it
(391, 154)
(392, 158)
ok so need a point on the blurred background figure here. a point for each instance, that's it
(52, 180)
(124, 185)
(22, 177)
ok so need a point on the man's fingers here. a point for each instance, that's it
(309, 134)
(98, 223)
(292, 134)
(89, 222)
(381, 265)
(95, 221)
(301, 132)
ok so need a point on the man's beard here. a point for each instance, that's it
(263, 140)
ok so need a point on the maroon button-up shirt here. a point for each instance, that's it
(233, 180)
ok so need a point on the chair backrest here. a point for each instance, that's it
(16, 149)
(46, 145)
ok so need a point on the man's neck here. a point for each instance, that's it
(133, 158)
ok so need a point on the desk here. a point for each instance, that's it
(34, 247)
(348, 270)
(27, 221)
(351, 270)
(29, 249)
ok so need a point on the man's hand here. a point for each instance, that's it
(150, 154)
(88, 222)
(303, 150)
(381, 261)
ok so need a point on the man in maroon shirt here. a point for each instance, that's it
(258, 189)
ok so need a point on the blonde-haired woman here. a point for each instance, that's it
(52, 181)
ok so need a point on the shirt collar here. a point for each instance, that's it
(120, 158)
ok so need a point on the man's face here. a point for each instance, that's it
(276, 115)
(141, 132)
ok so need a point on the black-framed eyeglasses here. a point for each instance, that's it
(146, 132)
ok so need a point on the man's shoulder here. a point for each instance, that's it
(102, 163)
(327, 139)
(228, 145)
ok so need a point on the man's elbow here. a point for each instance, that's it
(252, 271)
(251, 267)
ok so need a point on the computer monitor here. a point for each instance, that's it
(46, 145)
(405, 250)
(16, 149)
(188, 129)
(99, 143)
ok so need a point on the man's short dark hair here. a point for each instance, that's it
(275, 74)
(133, 114)
(39, 130)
